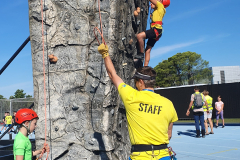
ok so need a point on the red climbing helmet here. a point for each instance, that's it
(166, 3)
(25, 114)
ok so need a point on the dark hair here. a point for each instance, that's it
(219, 96)
(146, 70)
(205, 92)
(196, 88)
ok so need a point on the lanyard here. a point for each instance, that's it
(148, 90)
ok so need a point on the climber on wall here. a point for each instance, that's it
(153, 34)
(150, 116)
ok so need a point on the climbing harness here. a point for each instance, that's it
(172, 154)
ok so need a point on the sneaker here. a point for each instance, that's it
(223, 126)
(216, 126)
(203, 136)
(197, 136)
(206, 133)
(211, 133)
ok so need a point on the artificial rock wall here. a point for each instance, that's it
(85, 115)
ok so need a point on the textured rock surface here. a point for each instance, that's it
(85, 116)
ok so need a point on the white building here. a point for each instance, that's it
(225, 74)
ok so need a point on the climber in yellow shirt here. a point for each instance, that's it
(153, 34)
(150, 116)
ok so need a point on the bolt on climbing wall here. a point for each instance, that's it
(85, 116)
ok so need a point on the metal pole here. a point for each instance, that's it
(15, 54)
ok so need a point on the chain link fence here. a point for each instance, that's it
(11, 105)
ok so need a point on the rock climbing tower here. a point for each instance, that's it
(85, 118)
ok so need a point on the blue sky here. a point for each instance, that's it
(207, 27)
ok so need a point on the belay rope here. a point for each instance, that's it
(44, 86)
(100, 32)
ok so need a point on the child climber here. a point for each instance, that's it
(154, 33)
(22, 147)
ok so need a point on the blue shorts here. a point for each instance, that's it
(164, 158)
(7, 125)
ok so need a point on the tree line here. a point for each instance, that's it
(18, 94)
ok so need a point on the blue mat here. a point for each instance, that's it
(224, 144)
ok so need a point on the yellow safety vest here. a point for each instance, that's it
(209, 102)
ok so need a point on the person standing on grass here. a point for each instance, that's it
(208, 115)
(197, 101)
(219, 105)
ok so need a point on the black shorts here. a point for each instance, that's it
(151, 35)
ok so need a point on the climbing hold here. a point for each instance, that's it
(75, 108)
(52, 58)
(138, 9)
(124, 64)
(135, 13)
(131, 41)
(138, 22)
(123, 38)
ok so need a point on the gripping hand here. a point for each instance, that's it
(103, 50)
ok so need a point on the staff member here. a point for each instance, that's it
(150, 116)
(208, 115)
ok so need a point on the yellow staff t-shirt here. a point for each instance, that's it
(8, 119)
(148, 115)
(158, 15)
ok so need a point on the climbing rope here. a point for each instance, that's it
(44, 85)
(100, 32)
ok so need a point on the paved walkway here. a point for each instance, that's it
(224, 144)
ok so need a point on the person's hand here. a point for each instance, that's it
(45, 148)
(207, 111)
(188, 112)
(219, 112)
(103, 50)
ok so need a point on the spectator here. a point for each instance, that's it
(219, 105)
(8, 120)
(208, 115)
(197, 101)
(4, 124)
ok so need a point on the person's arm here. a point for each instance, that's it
(216, 107)
(153, 2)
(19, 157)
(37, 152)
(207, 106)
(170, 127)
(102, 49)
(43, 150)
(222, 107)
(190, 105)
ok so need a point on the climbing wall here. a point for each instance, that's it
(85, 116)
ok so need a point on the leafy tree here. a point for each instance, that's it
(28, 96)
(11, 97)
(1, 97)
(182, 68)
(18, 94)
